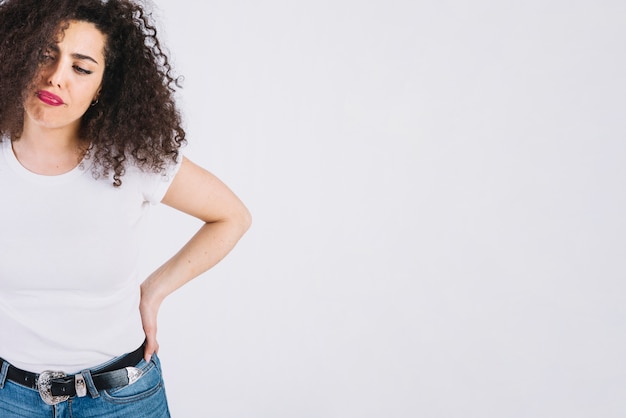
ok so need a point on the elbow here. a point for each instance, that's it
(244, 219)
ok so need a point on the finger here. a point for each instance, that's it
(151, 342)
(152, 346)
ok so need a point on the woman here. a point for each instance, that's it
(90, 137)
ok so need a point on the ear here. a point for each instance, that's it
(97, 95)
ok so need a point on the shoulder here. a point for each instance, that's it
(152, 184)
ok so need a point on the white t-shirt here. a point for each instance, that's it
(69, 244)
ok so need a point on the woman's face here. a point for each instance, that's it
(69, 79)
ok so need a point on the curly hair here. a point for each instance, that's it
(135, 119)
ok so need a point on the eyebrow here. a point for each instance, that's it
(83, 57)
(75, 55)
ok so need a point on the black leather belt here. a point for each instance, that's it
(55, 387)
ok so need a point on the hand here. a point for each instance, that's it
(149, 312)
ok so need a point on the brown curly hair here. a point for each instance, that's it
(135, 118)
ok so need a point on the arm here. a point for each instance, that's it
(198, 193)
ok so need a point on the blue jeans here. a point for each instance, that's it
(143, 399)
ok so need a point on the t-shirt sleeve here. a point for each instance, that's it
(155, 185)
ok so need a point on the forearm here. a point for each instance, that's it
(206, 248)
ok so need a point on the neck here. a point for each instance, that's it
(50, 140)
(49, 151)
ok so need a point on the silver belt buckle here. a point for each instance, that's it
(44, 384)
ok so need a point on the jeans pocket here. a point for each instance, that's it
(150, 383)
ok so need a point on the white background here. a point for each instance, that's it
(438, 198)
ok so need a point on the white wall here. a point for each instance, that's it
(438, 199)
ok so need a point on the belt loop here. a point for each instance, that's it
(3, 372)
(91, 387)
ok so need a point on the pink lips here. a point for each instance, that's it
(49, 98)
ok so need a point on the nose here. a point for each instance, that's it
(55, 75)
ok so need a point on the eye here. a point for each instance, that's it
(81, 70)
(47, 57)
